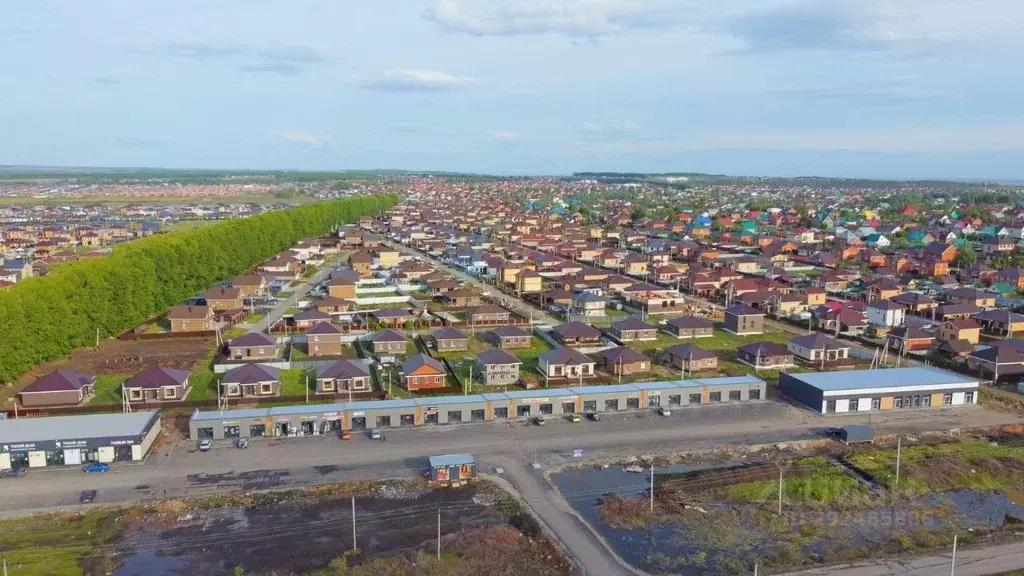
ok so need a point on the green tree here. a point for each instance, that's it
(965, 255)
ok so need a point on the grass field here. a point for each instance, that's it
(108, 389)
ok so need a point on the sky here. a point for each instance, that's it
(859, 88)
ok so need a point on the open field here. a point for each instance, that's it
(160, 200)
(483, 530)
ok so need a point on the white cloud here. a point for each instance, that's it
(418, 81)
(506, 136)
(307, 138)
(579, 18)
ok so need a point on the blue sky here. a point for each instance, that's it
(876, 88)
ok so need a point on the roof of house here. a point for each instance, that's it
(510, 332)
(690, 322)
(624, 355)
(911, 333)
(881, 378)
(764, 348)
(343, 369)
(743, 310)
(391, 313)
(322, 328)
(223, 293)
(486, 309)
(251, 374)
(158, 377)
(632, 323)
(818, 341)
(388, 335)
(448, 333)
(964, 324)
(497, 356)
(562, 356)
(418, 361)
(1004, 316)
(884, 305)
(576, 330)
(253, 339)
(689, 351)
(185, 312)
(60, 381)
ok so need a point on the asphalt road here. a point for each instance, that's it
(278, 311)
(971, 562)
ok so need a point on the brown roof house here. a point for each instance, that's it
(191, 319)
(576, 334)
(511, 337)
(690, 327)
(388, 342)
(461, 297)
(253, 346)
(691, 358)
(158, 385)
(250, 284)
(623, 361)
(1000, 322)
(58, 388)
(565, 363)
(743, 320)
(765, 355)
(342, 287)
(224, 298)
(966, 329)
(251, 381)
(421, 372)
(324, 339)
(309, 318)
(448, 339)
(818, 348)
(499, 368)
(487, 314)
(632, 329)
(332, 305)
(343, 375)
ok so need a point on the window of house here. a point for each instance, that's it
(926, 401)
(715, 397)
(754, 394)
(328, 384)
(854, 405)
(695, 399)
(675, 400)
(261, 351)
(136, 394)
(735, 395)
(266, 388)
(969, 397)
(170, 392)
(876, 403)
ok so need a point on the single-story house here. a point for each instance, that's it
(253, 346)
(765, 355)
(447, 339)
(818, 348)
(251, 381)
(565, 363)
(511, 337)
(158, 385)
(421, 372)
(690, 327)
(343, 375)
(58, 388)
(576, 334)
(388, 342)
(691, 358)
(622, 360)
(632, 329)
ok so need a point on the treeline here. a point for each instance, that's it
(43, 319)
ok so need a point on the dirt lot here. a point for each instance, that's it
(125, 357)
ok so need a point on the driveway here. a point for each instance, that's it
(278, 311)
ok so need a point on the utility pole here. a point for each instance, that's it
(899, 444)
(353, 522)
(307, 387)
(952, 563)
(439, 534)
(755, 568)
(780, 490)
(652, 487)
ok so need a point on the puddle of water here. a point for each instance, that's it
(675, 548)
(148, 563)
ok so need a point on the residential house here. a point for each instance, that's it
(157, 384)
(915, 302)
(818, 348)
(511, 337)
(994, 245)
(309, 318)
(448, 339)
(576, 334)
(186, 318)
(251, 381)
(965, 329)
(392, 317)
(388, 342)
(814, 296)
(253, 346)
(332, 305)
(529, 282)
(565, 363)
(362, 263)
(880, 289)
(58, 388)
(386, 257)
(691, 358)
(1000, 322)
(499, 368)
(623, 361)
(743, 320)
(910, 339)
(487, 314)
(421, 372)
(1012, 276)
(632, 329)
(690, 327)
(587, 305)
(635, 265)
(972, 296)
(342, 376)
(324, 339)
(956, 311)
(341, 288)
(765, 355)
(461, 298)
(939, 250)
(250, 284)
(15, 270)
(885, 314)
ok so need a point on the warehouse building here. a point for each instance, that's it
(874, 390)
(314, 420)
(76, 440)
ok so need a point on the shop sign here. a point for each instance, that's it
(71, 443)
(125, 442)
(329, 414)
(18, 447)
(534, 400)
(359, 414)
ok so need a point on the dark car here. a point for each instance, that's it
(834, 431)
(595, 416)
(13, 473)
(87, 496)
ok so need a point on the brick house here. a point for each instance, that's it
(324, 339)
(250, 284)
(447, 339)
(743, 320)
(421, 372)
(576, 334)
(308, 318)
(186, 318)
(158, 385)
(499, 368)
(487, 314)
(691, 358)
(817, 348)
(388, 342)
(251, 381)
(224, 298)
(253, 346)
(910, 338)
(622, 360)
(58, 388)
(342, 376)
(765, 355)
(690, 327)
(965, 329)
(511, 337)
(632, 329)
(565, 363)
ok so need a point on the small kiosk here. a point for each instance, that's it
(452, 469)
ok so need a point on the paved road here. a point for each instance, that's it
(516, 304)
(972, 562)
(278, 311)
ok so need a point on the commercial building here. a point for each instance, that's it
(75, 440)
(873, 390)
(312, 420)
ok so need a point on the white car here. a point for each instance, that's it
(664, 411)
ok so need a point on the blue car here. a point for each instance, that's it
(96, 467)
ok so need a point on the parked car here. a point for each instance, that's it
(574, 418)
(96, 467)
(664, 411)
(13, 473)
(539, 420)
(87, 496)
(242, 443)
(834, 431)
(205, 444)
(595, 416)
(375, 434)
